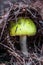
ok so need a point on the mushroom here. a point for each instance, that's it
(23, 28)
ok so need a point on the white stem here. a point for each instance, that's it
(23, 45)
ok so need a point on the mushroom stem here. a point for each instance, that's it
(23, 45)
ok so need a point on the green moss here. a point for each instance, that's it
(24, 26)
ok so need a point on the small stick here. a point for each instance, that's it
(12, 52)
(5, 17)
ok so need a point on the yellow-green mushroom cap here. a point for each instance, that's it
(24, 26)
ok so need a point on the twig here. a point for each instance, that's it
(10, 43)
(5, 17)
(12, 52)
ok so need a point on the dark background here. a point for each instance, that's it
(37, 4)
